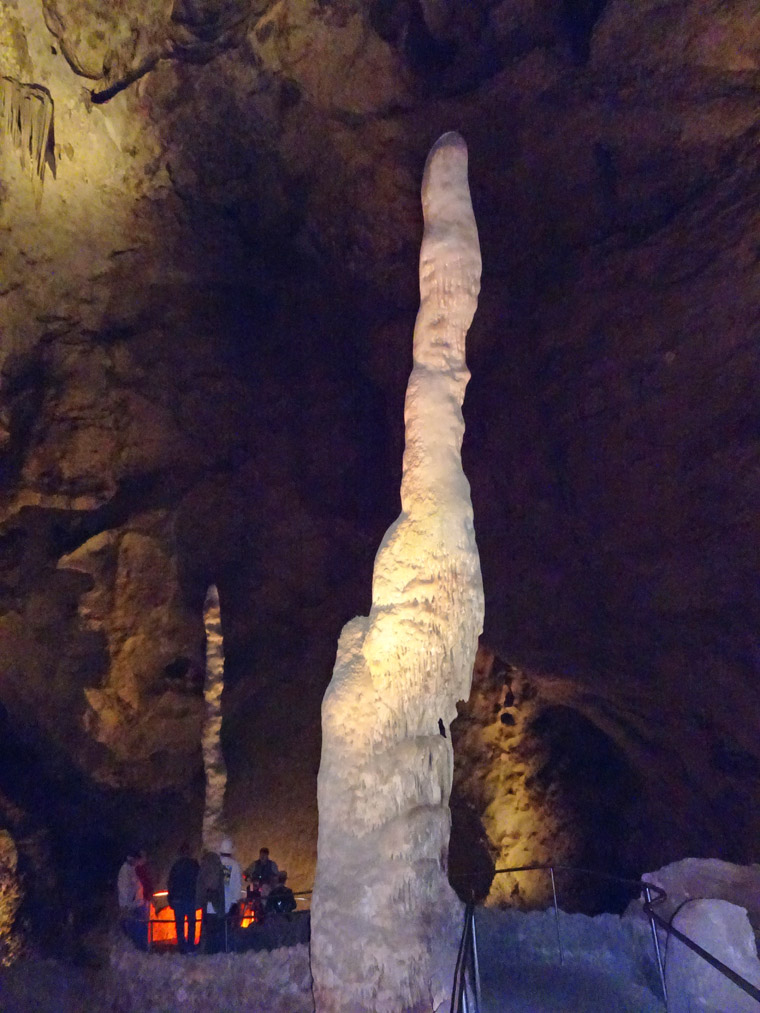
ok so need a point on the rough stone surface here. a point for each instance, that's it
(537, 783)
(384, 918)
(723, 929)
(707, 879)
(715, 904)
(11, 893)
(275, 982)
(213, 755)
(203, 357)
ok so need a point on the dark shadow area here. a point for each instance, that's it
(589, 780)
(71, 836)
(578, 19)
(470, 862)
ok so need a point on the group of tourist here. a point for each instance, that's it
(213, 886)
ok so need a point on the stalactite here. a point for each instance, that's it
(213, 757)
(26, 120)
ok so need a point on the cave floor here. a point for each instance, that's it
(540, 988)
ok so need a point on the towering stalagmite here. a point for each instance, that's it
(213, 757)
(384, 919)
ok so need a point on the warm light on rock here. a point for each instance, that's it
(10, 899)
(163, 928)
(384, 919)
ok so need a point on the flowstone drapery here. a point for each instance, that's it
(213, 757)
(384, 919)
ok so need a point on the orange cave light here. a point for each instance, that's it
(162, 928)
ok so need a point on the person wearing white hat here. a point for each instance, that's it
(233, 876)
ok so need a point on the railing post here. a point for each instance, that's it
(475, 962)
(556, 912)
(460, 1000)
(655, 939)
(466, 956)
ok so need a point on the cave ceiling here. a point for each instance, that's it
(206, 312)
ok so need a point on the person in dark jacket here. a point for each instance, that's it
(209, 897)
(281, 899)
(263, 871)
(145, 875)
(183, 881)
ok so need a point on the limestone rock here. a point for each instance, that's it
(144, 707)
(384, 919)
(11, 894)
(104, 39)
(213, 756)
(294, 41)
(708, 879)
(722, 929)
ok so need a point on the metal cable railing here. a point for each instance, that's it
(160, 925)
(465, 996)
(724, 969)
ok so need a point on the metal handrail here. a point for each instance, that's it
(469, 937)
(725, 970)
(229, 918)
(467, 954)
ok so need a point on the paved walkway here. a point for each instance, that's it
(544, 988)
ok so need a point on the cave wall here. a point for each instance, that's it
(537, 782)
(205, 319)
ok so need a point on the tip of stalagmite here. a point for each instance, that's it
(445, 174)
(451, 139)
(451, 150)
(212, 597)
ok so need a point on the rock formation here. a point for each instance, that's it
(26, 117)
(384, 918)
(10, 898)
(724, 931)
(213, 756)
(706, 879)
(203, 360)
(537, 782)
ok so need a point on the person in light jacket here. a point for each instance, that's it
(209, 897)
(134, 911)
(233, 877)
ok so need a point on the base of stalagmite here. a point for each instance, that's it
(386, 923)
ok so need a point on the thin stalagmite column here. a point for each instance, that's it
(385, 922)
(213, 758)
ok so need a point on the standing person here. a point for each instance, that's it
(183, 881)
(145, 876)
(233, 885)
(209, 897)
(133, 911)
(263, 871)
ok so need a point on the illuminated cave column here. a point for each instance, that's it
(385, 923)
(213, 757)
